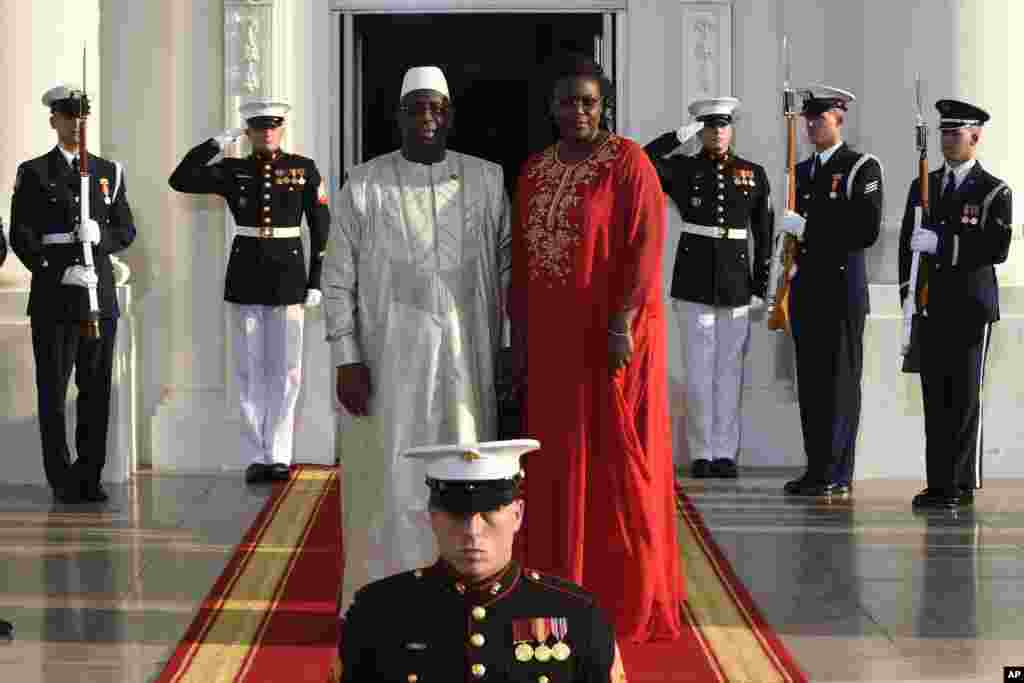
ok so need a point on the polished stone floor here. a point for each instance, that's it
(863, 590)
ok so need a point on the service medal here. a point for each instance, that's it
(524, 652)
(561, 651)
(560, 629)
(302, 176)
(542, 653)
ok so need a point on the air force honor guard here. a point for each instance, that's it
(47, 235)
(267, 283)
(716, 279)
(476, 614)
(838, 216)
(969, 232)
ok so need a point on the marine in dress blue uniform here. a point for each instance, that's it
(47, 235)
(717, 278)
(267, 284)
(838, 216)
(968, 232)
(472, 616)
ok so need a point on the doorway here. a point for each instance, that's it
(497, 71)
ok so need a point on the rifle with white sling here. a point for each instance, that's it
(917, 287)
(784, 251)
(91, 325)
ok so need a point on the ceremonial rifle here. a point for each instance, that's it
(784, 251)
(917, 287)
(91, 325)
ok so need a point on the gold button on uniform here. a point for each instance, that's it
(495, 589)
(721, 197)
(267, 219)
(266, 167)
(266, 184)
(479, 613)
(267, 208)
(461, 588)
(535, 576)
(543, 679)
(477, 640)
(721, 220)
(478, 670)
(267, 197)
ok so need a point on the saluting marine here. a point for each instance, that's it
(266, 284)
(838, 216)
(968, 232)
(716, 279)
(478, 615)
(47, 233)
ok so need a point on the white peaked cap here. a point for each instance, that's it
(485, 461)
(424, 78)
(264, 106)
(823, 92)
(59, 92)
(714, 106)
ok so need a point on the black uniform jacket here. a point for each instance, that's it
(264, 192)
(733, 193)
(832, 268)
(428, 626)
(46, 201)
(973, 225)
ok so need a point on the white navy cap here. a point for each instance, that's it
(954, 114)
(473, 477)
(714, 111)
(265, 112)
(424, 78)
(818, 99)
(64, 97)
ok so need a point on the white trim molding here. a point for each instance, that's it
(450, 6)
(707, 49)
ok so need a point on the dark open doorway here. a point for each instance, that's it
(496, 66)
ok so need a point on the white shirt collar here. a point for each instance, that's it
(68, 156)
(959, 173)
(827, 154)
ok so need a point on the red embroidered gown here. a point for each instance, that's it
(587, 242)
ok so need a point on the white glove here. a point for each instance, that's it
(793, 224)
(756, 303)
(231, 135)
(924, 240)
(89, 231)
(688, 130)
(313, 298)
(80, 276)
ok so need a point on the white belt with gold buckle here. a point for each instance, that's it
(268, 231)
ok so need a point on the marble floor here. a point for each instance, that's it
(863, 590)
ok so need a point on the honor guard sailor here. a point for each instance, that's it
(716, 279)
(47, 235)
(968, 232)
(838, 216)
(475, 614)
(267, 284)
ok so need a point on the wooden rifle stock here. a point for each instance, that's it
(922, 174)
(778, 305)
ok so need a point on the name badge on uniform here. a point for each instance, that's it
(836, 179)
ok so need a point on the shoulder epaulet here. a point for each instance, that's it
(556, 583)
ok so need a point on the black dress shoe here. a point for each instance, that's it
(724, 468)
(822, 489)
(937, 499)
(278, 472)
(69, 495)
(256, 473)
(966, 496)
(6, 630)
(700, 468)
(94, 493)
(793, 487)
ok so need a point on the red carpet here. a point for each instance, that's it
(272, 614)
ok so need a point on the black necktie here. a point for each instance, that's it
(950, 185)
(74, 164)
(817, 166)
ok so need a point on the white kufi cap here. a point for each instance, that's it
(424, 78)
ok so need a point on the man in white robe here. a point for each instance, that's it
(414, 279)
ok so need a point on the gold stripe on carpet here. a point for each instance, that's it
(224, 648)
(720, 618)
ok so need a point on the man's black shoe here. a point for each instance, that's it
(278, 472)
(724, 468)
(69, 495)
(966, 496)
(938, 499)
(94, 493)
(793, 487)
(256, 473)
(6, 630)
(700, 468)
(821, 489)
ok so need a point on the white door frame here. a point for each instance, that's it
(347, 127)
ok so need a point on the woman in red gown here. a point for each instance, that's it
(587, 313)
